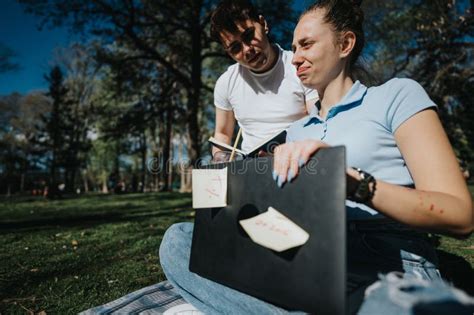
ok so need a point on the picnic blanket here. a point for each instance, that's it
(155, 299)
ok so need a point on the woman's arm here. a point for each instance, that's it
(441, 200)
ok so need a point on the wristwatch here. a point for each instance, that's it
(365, 189)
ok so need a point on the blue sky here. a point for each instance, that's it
(34, 48)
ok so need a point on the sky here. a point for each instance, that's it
(34, 48)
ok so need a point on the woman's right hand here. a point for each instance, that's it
(289, 157)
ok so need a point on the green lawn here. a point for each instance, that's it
(66, 256)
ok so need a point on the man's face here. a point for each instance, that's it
(250, 46)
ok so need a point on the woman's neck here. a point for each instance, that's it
(334, 92)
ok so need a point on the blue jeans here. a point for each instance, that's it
(371, 250)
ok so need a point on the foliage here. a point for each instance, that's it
(174, 35)
(100, 165)
(64, 133)
(6, 56)
(149, 69)
(431, 42)
(20, 121)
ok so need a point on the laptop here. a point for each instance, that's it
(310, 278)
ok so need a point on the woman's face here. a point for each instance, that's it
(317, 54)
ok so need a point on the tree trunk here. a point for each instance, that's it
(185, 170)
(143, 147)
(72, 180)
(161, 152)
(116, 170)
(24, 169)
(194, 97)
(180, 166)
(182, 180)
(105, 189)
(53, 186)
(22, 182)
(170, 164)
(194, 132)
(85, 182)
(155, 156)
(167, 148)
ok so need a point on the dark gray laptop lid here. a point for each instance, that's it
(309, 278)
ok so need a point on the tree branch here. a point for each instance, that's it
(140, 44)
(214, 54)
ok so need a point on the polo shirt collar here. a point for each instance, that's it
(353, 98)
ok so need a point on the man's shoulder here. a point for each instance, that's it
(286, 52)
(287, 59)
(231, 70)
(286, 55)
(228, 76)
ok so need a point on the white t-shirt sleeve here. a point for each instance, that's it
(221, 92)
(310, 94)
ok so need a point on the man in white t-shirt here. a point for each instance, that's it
(261, 91)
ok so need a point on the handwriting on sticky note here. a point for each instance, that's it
(209, 188)
(273, 230)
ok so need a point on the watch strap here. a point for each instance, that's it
(365, 189)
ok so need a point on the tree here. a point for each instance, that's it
(172, 34)
(431, 42)
(26, 124)
(78, 115)
(51, 137)
(8, 144)
(18, 120)
(6, 56)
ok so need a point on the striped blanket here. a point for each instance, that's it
(155, 299)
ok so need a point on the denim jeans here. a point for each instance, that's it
(373, 249)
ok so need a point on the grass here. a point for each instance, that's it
(65, 256)
(463, 248)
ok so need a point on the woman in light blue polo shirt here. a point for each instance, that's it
(391, 132)
(406, 176)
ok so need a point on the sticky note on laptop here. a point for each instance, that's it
(209, 188)
(273, 230)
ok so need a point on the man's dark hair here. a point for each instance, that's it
(228, 14)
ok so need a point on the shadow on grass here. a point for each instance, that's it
(162, 196)
(109, 254)
(134, 214)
